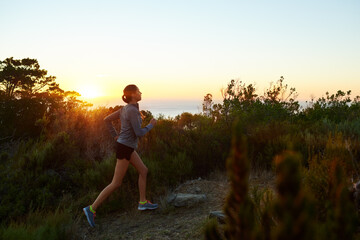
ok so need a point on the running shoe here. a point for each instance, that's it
(90, 216)
(147, 205)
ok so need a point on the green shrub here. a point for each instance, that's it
(293, 209)
(40, 225)
(239, 208)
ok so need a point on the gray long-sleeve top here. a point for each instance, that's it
(130, 125)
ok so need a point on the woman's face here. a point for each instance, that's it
(137, 95)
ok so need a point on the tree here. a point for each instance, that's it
(23, 77)
(30, 99)
(207, 104)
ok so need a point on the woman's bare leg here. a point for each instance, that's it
(120, 170)
(136, 161)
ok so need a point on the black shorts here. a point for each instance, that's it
(123, 151)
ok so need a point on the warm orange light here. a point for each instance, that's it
(90, 91)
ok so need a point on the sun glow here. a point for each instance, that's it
(90, 92)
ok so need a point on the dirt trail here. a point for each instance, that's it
(166, 222)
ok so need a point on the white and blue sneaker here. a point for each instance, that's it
(90, 216)
(147, 205)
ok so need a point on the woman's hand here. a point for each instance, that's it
(153, 121)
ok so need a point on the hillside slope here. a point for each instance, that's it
(167, 222)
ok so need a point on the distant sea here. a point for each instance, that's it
(166, 107)
(171, 108)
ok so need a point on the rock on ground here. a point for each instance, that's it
(219, 215)
(186, 199)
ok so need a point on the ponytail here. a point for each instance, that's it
(126, 99)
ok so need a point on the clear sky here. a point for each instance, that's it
(185, 49)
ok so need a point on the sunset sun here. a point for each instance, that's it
(90, 91)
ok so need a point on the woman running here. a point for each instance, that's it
(126, 143)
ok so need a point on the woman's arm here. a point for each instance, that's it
(108, 121)
(135, 121)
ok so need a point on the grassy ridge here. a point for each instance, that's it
(71, 159)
